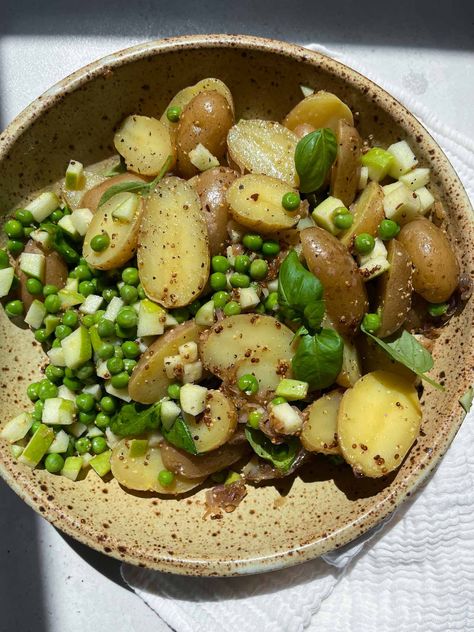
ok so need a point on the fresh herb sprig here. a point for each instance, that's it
(280, 456)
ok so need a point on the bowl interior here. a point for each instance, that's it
(323, 507)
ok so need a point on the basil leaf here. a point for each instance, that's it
(180, 436)
(281, 456)
(314, 156)
(301, 331)
(298, 289)
(60, 244)
(141, 188)
(117, 169)
(130, 421)
(467, 398)
(314, 314)
(318, 359)
(408, 351)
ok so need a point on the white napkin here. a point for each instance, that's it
(418, 572)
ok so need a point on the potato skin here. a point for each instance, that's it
(206, 119)
(56, 272)
(91, 198)
(320, 109)
(436, 269)
(190, 466)
(319, 433)
(394, 289)
(346, 169)
(368, 213)
(212, 186)
(344, 291)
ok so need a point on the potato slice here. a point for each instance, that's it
(123, 235)
(378, 421)
(148, 382)
(264, 147)
(239, 337)
(351, 370)
(141, 472)
(346, 169)
(173, 252)
(321, 109)
(145, 144)
(319, 432)
(216, 425)
(268, 366)
(368, 213)
(91, 198)
(255, 201)
(394, 289)
(191, 466)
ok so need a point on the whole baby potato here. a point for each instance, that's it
(91, 198)
(205, 120)
(346, 169)
(436, 269)
(344, 291)
(212, 186)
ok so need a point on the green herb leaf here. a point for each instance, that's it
(141, 188)
(467, 398)
(60, 244)
(180, 436)
(299, 292)
(117, 169)
(129, 420)
(408, 351)
(301, 331)
(281, 456)
(318, 359)
(314, 156)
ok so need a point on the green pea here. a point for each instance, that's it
(88, 320)
(72, 383)
(239, 280)
(270, 248)
(105, 351)
(130, 349)
(70, 318)
(24, 216)
(102, 421)
(99, 445)
(181, 314)
(232, 308)
(15, 247)
(4, 260)
(278, 400)
(372, 322)
(14, 308)
(253, 242)
(120, 380)
(130, 276)
(218, 281)
(220, 264)
(87, 418)
(54, 463)
(388, 229)
(141, 292)
(173, 113)
(248, 383)
(105, 328)
(109, 293)
(28, 230)
(62, 331)
(220, 299)
(82, 272)
(166, 478)
(129, 365)
(258, 269)
(49, 289)
(242, 263)
(52, 303)
(437, 309)
(260, 309)
(194, 307)
(115, 365)
(127, 317)
(342, 218)
(85, 372)
(13, 229)
(56, 216)
(254, 419)
(83, 445)
(41, 336)
(68, 372)
(364, 243)
(47, 390)
(291, 201)
(36, 424)
(173, 391)
(271, 302)
(108, 404)
(129, 293)
(34, 286)
(54, 373)
(86, 288)
(100, 242)
(85, 402)
(32, 391)
(98, 316)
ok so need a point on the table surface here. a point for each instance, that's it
(49, 583)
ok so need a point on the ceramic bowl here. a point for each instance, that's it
(322, 508)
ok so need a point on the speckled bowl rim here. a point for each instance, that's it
(425, 464)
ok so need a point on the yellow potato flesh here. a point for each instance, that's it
(173, 251)
(319, 432)
(141, 472)
(378, 421)
(368, 213)
(255, 201)
(268, 366)
(351, 370)
(217, 424)
(123, 235)
(264, 147)
(321, 109)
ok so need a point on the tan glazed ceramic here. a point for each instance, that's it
(320, 509)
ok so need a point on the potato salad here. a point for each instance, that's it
(227, 298)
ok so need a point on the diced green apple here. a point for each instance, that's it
(306, 90)
(74, 180)
(417, 178)
(33, 265)
(92, 303)
(70, 298)
(193, 398)
(292, 390)
(35, 314)
(43, 206)
(323, 214)
(93, 431)
(60, 443)
(17, 428)
(113, 309)
(426, 199)
(65, 393)
(77, 429)
(378, 162)
(68, 227)
(81, 218)
(58, 412)
(188, 352)
(16, 450)
(393, 186)
(6, 279)
(404, 160)
(101, 463)
(51, 321)
(72, 285)
(192, 372)
(363, 178)
(202, 158)
(72, 467)
(138, 448)
(37, 446)
(125, 206)
(121, 393)
(205, 315)
(285, 419)
(42, 237)
(93, 389)
(401, 205)
(169, 413)
(378, 251)
(248, 298)
(151, 319)
(77, 348)
(374, 268)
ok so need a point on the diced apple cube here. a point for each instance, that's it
(56, 356)
(91, 304)
(60, 443)
(388, 188)
(323, 214)
(43, 205)
(6, 279)
(169, 413)
(174, 367)
(193, 398)
(33, 265)
(17, 428)
(285, 419)
(68, 227)
(121, 393)
(404, 159)
(374, 268)
(205, 315)
(417, 178)
(188, 352)
(248, 298)
(363, 178)
(426, 199)
(151, 319)
(77, 348)
(192, 372)
(35, 314)
(58, 411)
(378, 251)
(402, 205)
(81, 218)
(202, 158)
(113, 308)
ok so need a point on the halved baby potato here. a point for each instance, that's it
(216, 425)
(197, 466)
(149, 382)
(378, 421)
(268, 366)
(173, 251)
(346, 169)
(141, 472)
(255, 201)
(55, 272)
(264, 147)
(320, 109)
(145, 144)
(368, 213)
(123, 235)
(319, 432)
(91, 198)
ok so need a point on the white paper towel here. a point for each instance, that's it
(418, 573)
